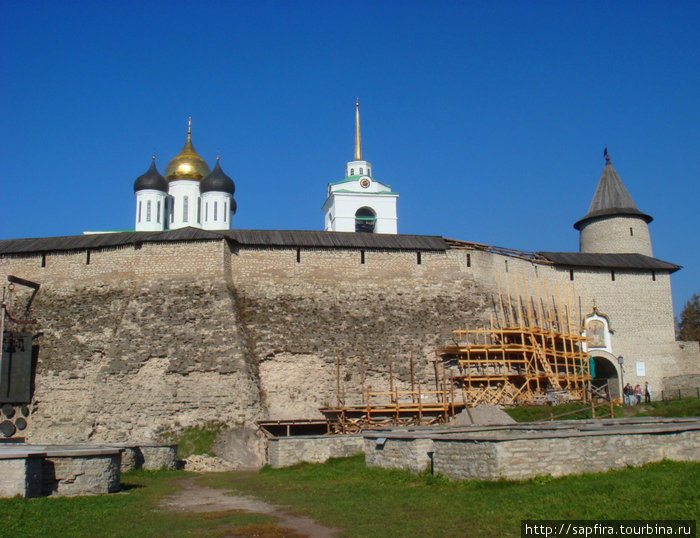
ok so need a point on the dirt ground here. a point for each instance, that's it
(195, 498)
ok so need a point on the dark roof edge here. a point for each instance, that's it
(323, 239)
(609, 261)
(612, 212)
(251, 238)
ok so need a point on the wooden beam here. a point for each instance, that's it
(337, 376)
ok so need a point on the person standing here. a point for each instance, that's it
(627, 393)
(647, 392)
(638, 394)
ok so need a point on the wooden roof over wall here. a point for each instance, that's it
(321, 239)
(609, 261)
(250, 238)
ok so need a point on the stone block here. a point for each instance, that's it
(156, 457)
(285, 451)
(21, 476)
(81, 474)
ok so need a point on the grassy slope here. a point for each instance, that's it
(194, 439)
(687, 407)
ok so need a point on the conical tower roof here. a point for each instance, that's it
(611, 198)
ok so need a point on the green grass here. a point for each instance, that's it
(687, 407)
(381, 502)
(344, 493)
(528, 413)
(194, 439)
(133, 512)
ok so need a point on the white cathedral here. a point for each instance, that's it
(191, 194)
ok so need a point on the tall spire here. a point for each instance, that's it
(358, 145)
(189, 128)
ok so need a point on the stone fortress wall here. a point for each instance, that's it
(637, 303)
(155, 336)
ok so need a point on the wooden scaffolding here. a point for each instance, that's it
(531, 353)
(420, 406)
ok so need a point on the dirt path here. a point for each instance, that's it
(194, 498)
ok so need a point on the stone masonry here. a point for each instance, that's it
(136, 340)
(285, 451)
(21, 475)
(526, 450)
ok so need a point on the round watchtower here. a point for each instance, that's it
(613, 223)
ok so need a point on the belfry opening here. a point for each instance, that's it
(365, 220)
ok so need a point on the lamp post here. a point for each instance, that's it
(621, 361)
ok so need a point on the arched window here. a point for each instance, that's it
(206, 212)
(214, 210)
(365, 220)
(361, 172)
(148, 211)
(158, 211)
(185, 207)
(352, 171)
(172, 208)
(199, 210)
(139, 219)
(225, 210)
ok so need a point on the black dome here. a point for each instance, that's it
(151, 180)
(217, 181)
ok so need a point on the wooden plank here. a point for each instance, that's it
(391, 375)
(413, 379)
(500, 302)
(539, 313)
(510, 302)
(530, 314)
(362, 374)
(435, 363)
(517, 294)
(337, 376)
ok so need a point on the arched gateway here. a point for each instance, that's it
(606, 370)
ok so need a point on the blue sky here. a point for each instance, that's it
(489, 118)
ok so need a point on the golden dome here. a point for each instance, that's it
(187, 164)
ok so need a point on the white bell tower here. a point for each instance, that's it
(359, 203)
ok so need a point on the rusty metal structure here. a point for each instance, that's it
(16, 369)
